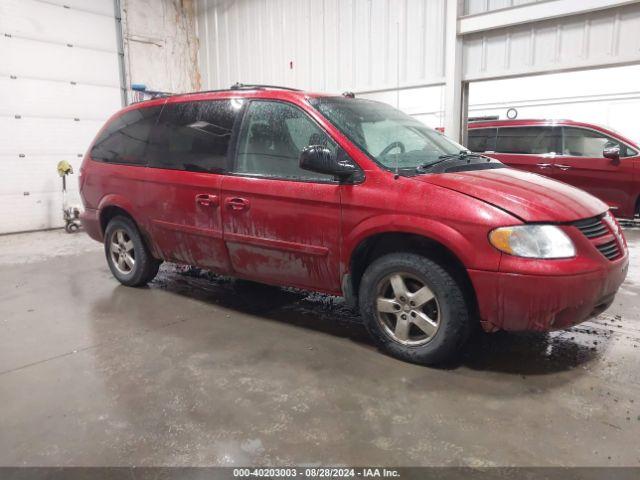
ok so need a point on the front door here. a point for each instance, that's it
(187, 158)
(583, 165)
(281, 223)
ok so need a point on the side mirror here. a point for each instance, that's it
(612, 152)
(319, 159)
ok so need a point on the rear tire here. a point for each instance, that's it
(414, 309)
(128, 257)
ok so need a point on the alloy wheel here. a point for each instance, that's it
(122, 251)
(407, 309)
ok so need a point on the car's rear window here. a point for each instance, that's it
(125, 139)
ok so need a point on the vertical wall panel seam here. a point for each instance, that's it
(117, 11)
(386, 43)
(353, 43)
(369, 41)
(615, 34)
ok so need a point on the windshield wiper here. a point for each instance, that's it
(462, 155)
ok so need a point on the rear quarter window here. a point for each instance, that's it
(125, 140)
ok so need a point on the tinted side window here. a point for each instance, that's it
(528, 140)
(482, 139)
(125, 140)
(271, 138)
(194, 136)
(578, 142)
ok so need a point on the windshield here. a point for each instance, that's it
(392, 138)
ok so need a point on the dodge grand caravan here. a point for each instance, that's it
(590, 157)
(348, 197)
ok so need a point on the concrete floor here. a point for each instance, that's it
(208, 371)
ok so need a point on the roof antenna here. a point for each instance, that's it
(397, 174)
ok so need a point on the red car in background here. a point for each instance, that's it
(590, 157)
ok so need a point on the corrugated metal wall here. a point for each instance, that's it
(481, 6)
(604, 38)
(337, 45)
(328, 45)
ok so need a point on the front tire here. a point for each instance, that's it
(414, 309)
(127, 255)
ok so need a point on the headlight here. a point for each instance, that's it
(533, 241)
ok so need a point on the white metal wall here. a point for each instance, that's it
(607, 96)
(481, 6)
(596, 39)
(59, 81)
(337, 45)
(328, 45)
(160, 44)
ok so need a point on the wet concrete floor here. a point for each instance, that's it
(201, 370)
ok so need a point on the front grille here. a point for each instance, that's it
(592, 227)
(609, 249)
(596, 227)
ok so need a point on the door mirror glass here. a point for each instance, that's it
(319, 159)
(612, 151)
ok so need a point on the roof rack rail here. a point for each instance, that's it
(140, 91)
(252, 86)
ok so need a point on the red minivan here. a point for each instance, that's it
(348, 197)
(590, 157)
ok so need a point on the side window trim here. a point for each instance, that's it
(235, 142)
(235, 137)
(495, 139)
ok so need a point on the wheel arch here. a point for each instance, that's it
(112, 206)
(111, 211)
(378, 244)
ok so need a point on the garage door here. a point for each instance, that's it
(59, 81)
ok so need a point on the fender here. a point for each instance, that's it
(466, 249)
(115, 200)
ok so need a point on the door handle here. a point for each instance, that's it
(563, 167)
(207, 200)
(237, 203)
(544, 165)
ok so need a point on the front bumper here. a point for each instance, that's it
(517, 302)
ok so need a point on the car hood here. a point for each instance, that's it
(530, 197)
